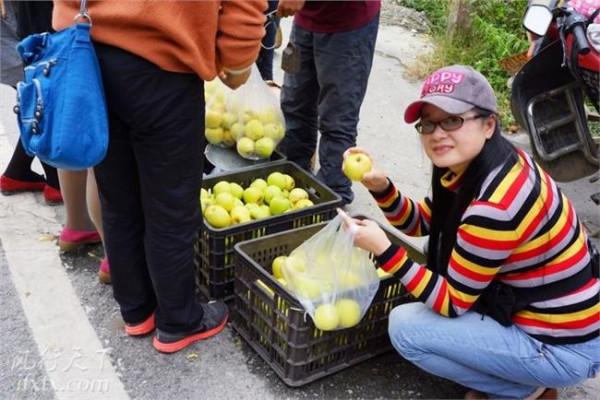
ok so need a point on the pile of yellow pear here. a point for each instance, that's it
(229, 203)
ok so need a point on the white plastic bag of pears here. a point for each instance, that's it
(217, 120)
(334, 281)
(259, 126)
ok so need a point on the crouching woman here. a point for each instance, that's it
(509, 298)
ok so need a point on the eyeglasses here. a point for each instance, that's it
(452, 123)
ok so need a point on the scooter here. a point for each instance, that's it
(550, 91)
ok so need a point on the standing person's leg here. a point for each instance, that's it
(118, 187)
(95, 213)
(93, 202)
(169, 154)
(79, 228)
(18, 176)
(52, 193)
(480, 353)
(299, 97)
(343, 61)
(170, 160)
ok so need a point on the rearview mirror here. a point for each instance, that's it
(537, 19)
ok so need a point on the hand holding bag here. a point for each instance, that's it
(60, 102)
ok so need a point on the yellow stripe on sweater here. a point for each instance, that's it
(559, 318)
(506, 183)
(422, 284)
(543, 239)
(569, 252)
(472, 266)
(390, 201)
(467, 298)
(488, 234)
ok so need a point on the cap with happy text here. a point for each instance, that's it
(455, 89)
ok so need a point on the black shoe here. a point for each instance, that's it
(214, 320)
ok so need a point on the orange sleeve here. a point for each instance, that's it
(239, 32)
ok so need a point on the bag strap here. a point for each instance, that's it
(83, 12)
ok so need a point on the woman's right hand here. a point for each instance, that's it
(374, 180)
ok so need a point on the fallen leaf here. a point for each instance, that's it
(47, 237)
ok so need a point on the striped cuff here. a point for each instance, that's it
(391, 257)
(382, 195)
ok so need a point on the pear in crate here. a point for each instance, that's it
(217, 216)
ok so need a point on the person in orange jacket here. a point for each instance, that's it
(154, 58)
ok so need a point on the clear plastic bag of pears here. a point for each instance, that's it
(217, 119)
(333, 280)
(260, 125)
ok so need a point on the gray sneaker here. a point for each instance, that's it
(214, 320)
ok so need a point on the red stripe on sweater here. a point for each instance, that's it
(543, 211)
(488, 243)
(439, 300)
(575, 324)
(516, 186)
(387, 197)
(414, 282)
(424, 214)
(414, 230)
(400, 214)
(396, 258)
(464, 271)
(459, 302)
(489, 204)
(564, 231)
(548, 270)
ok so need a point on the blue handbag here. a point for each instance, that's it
(61, 109)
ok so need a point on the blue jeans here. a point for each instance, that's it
(327, 94)
(481, 354)
(264, 62)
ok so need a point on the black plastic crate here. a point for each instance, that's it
(275, 156)
(215, 253)
(274, 323)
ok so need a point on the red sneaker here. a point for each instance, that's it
(142, 328)
(214, 321)
(10, 186)
(71, 240)
(104, 272)
(53, 196)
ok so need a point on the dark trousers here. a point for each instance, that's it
(326, 94)
(149, 186)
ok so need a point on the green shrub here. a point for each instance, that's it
(495, 33)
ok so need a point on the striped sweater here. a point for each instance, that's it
(520, 230)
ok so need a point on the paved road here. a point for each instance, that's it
(62, 336)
